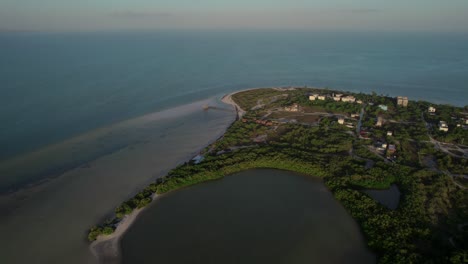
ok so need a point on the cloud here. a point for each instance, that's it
(139, 14)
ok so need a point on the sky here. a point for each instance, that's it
(99, 15)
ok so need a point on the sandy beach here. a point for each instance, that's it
(107, 248)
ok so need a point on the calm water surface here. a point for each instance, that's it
(389, 197)
(256, 216)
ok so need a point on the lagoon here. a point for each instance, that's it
(255, 216)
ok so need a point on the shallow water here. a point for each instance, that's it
(48, 224)
(256, 216)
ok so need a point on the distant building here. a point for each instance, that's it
(402, 101)
(391, 150)
(443, 126)
(349, 125)
(379, 122)
(354, 115)
(431, 109)
(337, 97)
(313, 97)
(341, 121)
(359, 101)
(383, 107)
(349, 99)
(389, 133)
(321, 97)
(292, 108)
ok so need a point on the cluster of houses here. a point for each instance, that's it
(335, 97)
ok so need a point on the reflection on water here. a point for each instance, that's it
(48, 224)
(256, 216)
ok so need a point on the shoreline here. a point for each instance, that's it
(106, 248)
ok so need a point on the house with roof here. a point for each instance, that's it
(349, 99)
(431, 109)
(402, 101)
(443, 126)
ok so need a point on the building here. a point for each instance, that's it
(341, 121)
(349, 99)
(321, 97)
(443, 126)
(389, 133)
(359, 101)
(402, 101)
(292, 108)
(431, 109)
(391, 149)
(337, 97)
(379, 121)
(354, 115)
(313, 97)
(383, 107)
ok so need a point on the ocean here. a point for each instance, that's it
(74, 107)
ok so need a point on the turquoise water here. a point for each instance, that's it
(255, 216)
(54, 86)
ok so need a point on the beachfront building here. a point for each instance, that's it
(337, 97)
(402, 101)
(349, 99)
(443, 126)
(431, 109)
(313, 97)
(341, 121)
(321, 97)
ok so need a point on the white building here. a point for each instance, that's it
(389, 133)
(349, 99)
(359, 101)
(292, 108)
(443, 126)
(322, 97)
(313, 97)
(431, 109)
(341, 121)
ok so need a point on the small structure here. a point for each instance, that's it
(402, 101)
(383, 107)
(431, 109)
(292, 108)
(389, 133)
(391, 149)
(443, 126)
(379, 121)
(321, 97)
(337, 97)
(349, 125)
(197, 159)
(349, 99)
(359, 101)
(313, 97)
(354, 115)
(341, 121)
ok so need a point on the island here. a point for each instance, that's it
(354, 142)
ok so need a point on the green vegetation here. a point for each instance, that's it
(430, 224)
